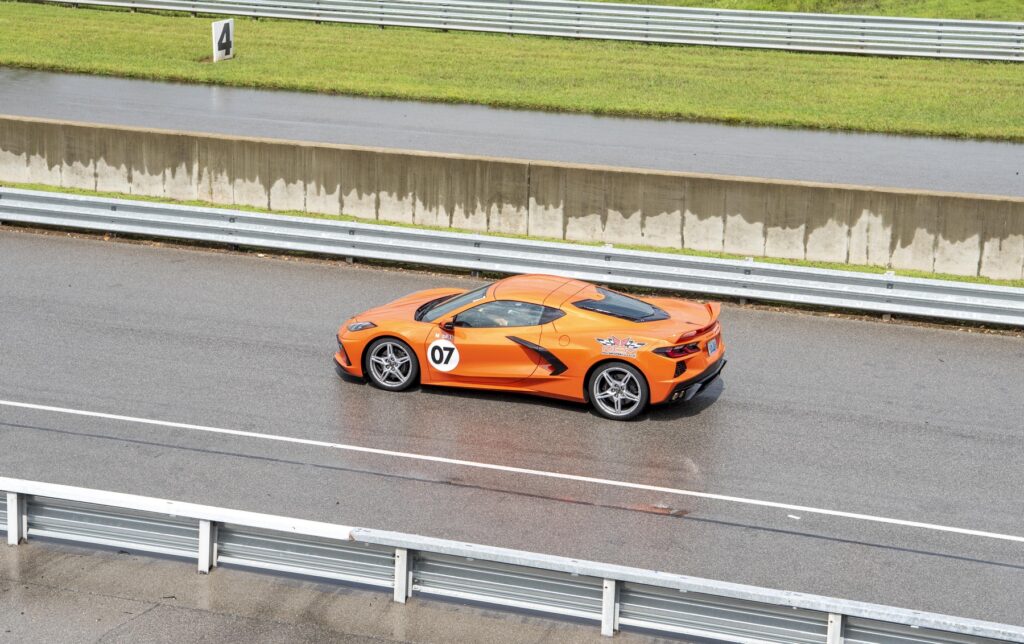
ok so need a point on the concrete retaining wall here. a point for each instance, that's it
(948, 233)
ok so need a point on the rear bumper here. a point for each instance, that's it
(689, 388)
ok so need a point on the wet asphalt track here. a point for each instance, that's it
(868, 159)
(914, 423)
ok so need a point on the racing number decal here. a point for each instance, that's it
(443, 355)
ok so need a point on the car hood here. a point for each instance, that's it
(405, 307)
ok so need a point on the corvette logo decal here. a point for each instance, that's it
(615, 347)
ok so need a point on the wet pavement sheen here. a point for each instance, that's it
(889, 419)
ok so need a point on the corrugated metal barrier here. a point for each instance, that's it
(888, 293)
(613, 596)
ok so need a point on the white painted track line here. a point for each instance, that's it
(522, 470)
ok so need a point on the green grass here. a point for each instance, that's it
(293, 213)
(1012, 10)
(910, 96)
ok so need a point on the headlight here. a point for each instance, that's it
(360, 326)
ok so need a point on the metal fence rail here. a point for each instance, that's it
(644, 23)
(610, 595)
(731, 278)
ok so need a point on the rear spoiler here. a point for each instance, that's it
(713, 309)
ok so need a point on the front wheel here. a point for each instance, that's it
(391, 364)
(618, 391)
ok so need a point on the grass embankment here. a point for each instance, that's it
(295, 213)
(1011, 10)
(909, 96)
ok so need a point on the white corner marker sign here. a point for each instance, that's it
(223, 40)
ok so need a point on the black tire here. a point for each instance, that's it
(618, 391)
(384, 366)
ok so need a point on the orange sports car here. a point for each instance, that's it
(540, 334)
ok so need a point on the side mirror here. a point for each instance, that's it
(447, 326)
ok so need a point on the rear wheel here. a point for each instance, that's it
(618, 391)
(391, 364)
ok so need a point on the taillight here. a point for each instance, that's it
(692, 334)
(678, 351)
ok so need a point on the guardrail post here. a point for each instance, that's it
(887, 317)
(17, 519)
(207, 546)
(835, 629)
(610, 608)
(403, 589)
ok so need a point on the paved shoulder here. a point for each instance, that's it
(57, 593)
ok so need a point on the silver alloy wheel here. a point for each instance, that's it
(391, 364)
(617, 391)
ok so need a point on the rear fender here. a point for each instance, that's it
(593, 367)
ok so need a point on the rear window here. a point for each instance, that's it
(622, 306)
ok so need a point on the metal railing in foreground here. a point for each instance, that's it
(644, 23)
(610, 595)
(887, 293)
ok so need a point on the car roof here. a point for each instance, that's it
(532, 288)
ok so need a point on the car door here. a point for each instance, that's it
(487, 345)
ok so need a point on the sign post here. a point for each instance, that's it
(223, 39)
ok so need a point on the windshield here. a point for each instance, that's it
(447, 305)
(622, 306)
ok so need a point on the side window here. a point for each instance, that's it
(500, 313)
(550, 315)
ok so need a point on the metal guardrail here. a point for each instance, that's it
(610, 595)
(888, 293)
(644, 23)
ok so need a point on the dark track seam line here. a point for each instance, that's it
(453, 483)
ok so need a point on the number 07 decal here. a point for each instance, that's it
(443, 355)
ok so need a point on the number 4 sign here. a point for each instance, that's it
(223, 40)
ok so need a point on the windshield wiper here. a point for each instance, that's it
(425, 308)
